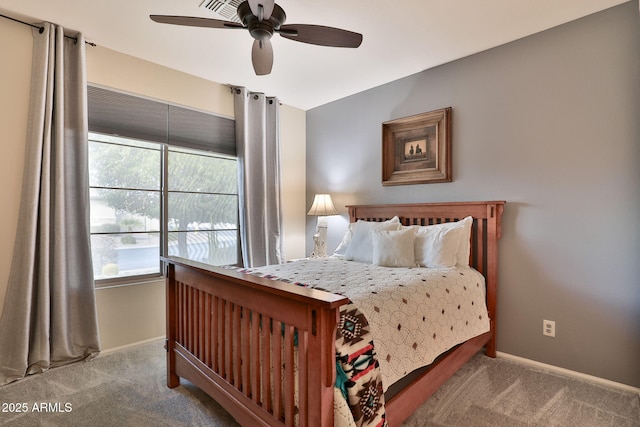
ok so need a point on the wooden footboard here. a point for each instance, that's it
(238, 336)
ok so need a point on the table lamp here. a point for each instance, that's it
(322, 207)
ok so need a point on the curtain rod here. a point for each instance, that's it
(236, 90)
(41, 29)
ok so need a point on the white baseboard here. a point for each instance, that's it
(135, 344)
(568, 372)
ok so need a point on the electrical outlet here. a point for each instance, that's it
(549, 328)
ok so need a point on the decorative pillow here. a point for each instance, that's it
(394, 248)
(361, 246)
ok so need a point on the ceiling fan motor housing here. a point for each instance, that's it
(261, 30)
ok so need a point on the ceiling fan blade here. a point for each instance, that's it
(320, 35)
(267, 8)
(262, 57)
(193, 21)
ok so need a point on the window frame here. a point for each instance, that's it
(163, 232)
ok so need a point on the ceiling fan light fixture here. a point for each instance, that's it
(262, 8)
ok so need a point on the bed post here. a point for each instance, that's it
(322, 378)
(172, 378)
(494, 215)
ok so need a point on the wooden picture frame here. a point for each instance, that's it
(417, 149)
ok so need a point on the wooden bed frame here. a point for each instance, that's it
(219, 323)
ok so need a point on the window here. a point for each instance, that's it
(125, 197)
(128, 204)
(202, 207)
(163, 181)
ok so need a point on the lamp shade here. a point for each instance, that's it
(322, 206)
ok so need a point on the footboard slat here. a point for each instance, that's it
(223, 344)
(190, 318)
(245, 360)
(195, 316)
(236, 354)
(227, 345)
(220, 365)
(214, 334)
(202, 326)
(207, 312)
(265, 367)
(255, 356)
(277, 370)
(179, 312)
(302, 376)
(289, 376)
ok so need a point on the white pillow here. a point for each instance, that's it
(455, 247)
(437, 246)
(344, 244)
(361, 246)
(464, 247)
(394, 248)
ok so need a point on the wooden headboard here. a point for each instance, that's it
(485, 232)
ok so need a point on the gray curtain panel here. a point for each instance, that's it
(258, 147)
(49, 317)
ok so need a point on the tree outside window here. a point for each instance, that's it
(128, 197)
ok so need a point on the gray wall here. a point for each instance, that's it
(549, 123)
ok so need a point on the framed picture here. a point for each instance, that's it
(417, 149)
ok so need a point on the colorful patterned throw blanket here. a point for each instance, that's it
(398, 320)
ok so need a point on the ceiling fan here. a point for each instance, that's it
(263, 18)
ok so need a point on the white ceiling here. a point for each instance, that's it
(401, 37)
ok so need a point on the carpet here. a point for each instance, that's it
(502, 393)
(128, 388)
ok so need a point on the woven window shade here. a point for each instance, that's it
(116, 113)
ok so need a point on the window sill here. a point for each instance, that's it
(127, 281)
